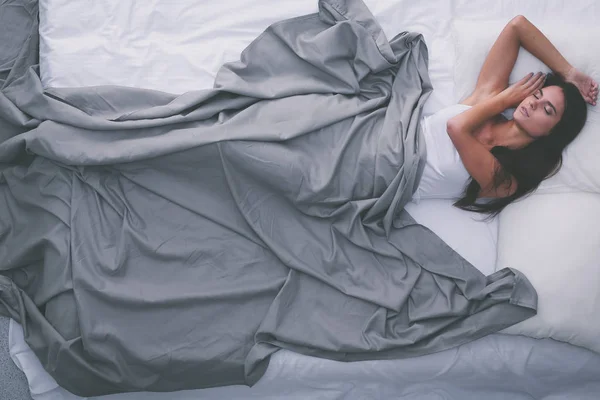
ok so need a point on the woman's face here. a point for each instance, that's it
(540, 112)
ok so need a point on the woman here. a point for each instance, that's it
(506, 159)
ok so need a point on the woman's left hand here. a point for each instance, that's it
(517, 92)
(587, 86)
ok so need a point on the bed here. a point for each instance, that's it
(137, 44)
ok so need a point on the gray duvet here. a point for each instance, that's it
(154, 242)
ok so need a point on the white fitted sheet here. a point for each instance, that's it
(496, 367)
(178, 45)
(467, 233)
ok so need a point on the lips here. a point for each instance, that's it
(524, 111)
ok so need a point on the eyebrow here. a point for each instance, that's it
(551, 105)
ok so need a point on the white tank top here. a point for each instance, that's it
(444, 175)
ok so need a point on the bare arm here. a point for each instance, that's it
(501, 59)
(477, 159)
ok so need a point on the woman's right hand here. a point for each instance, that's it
(516, 93)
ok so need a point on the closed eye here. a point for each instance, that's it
(539, 94)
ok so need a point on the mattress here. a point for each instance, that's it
(134, 43)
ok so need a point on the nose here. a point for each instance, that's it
(533, 104)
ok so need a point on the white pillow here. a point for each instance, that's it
(474, 39)
(554, 240)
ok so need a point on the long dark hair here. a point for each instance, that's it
(537, 161)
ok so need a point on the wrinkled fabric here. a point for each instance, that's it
(158, 242)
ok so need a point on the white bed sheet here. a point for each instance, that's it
(467, 233)
(177, 46)
(496, 367)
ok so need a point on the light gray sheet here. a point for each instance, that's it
(154, 242)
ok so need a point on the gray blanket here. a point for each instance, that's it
(154, 242)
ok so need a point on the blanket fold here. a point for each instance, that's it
(152, 242)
